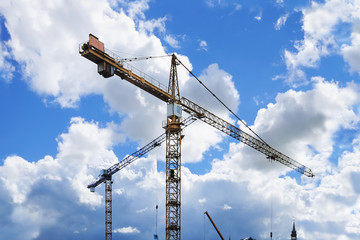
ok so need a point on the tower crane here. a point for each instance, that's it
(108, 66)
(106, 174)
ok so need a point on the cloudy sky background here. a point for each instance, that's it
(290, 69)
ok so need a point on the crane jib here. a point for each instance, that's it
(139, 153)
(229, 129)
(108, 65)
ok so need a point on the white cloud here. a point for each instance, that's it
(222, 84)
(213, 3)
(241, 178)
(281, 21)
(292, 124)
(258, 18)
(53, 68)
(126, 230)
(320, 24)
(351, 52)
(227, 207)
(50, 64)
(237, 7)
(312, 114)
(6, 69)
(136, 9)
(55, 187)
(202, 200)
(43, 192)
(171, 40)
(257, 100)
(153, 24)
(203, 45)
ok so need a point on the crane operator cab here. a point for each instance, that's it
(105, 69)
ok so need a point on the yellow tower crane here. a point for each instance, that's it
(109, 65)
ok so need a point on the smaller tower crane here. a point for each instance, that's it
(106, 175)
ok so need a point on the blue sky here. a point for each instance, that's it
(290, 69)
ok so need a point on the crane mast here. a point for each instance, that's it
(109, 65)
(108, 207)
(173, 157)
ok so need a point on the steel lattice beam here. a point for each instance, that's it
(139, 153)
(108, 208)
(222, 125)
(173, 179)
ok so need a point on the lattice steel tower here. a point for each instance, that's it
(173, 158)
(108, 208)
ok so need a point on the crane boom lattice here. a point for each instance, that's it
(137, 154)
(229, 129)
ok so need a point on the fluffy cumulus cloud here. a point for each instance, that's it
(172, 41)
(203, 45)
(44, 41)
(47, 53)
(49, 197)
(6, 69)
(281, 21)
(126, 230)
(43, 193)
(330, 199)
(321, 22)
(351, 52)
(47, 49)
(315, 120)
(222, 84)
